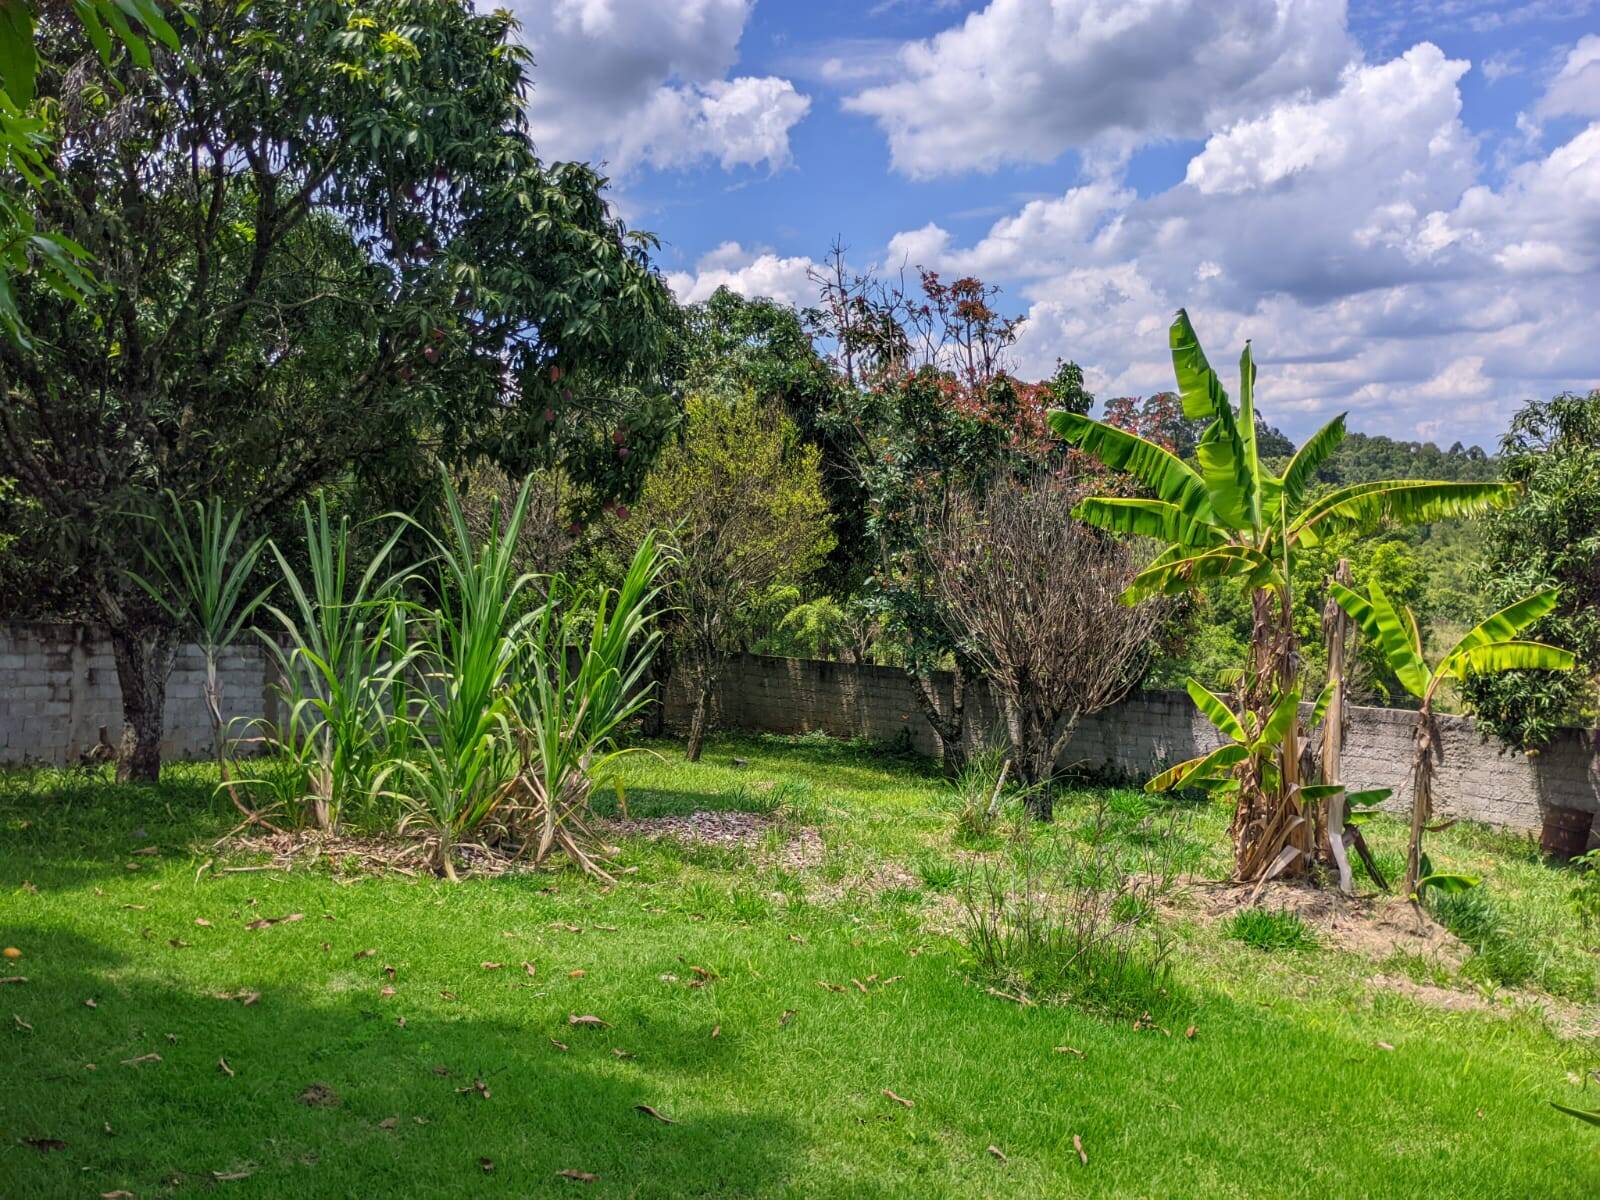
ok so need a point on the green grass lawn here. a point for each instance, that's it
(1301, 1077)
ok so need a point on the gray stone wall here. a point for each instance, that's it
(59, 699)
(1477, 778)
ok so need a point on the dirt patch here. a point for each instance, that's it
(1374, 927)
(745, 831)
(319, 1095)
(1445, 999)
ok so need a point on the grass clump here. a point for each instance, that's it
(1270, 930)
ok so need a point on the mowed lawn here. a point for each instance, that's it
(159, 1046)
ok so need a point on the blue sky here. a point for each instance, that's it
(1398, 202)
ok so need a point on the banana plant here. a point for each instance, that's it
(1489, 647)
(1228, 517)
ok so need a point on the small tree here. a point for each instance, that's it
(1551, 538)
(1487, 649)
(1033, 596)
(742, 500)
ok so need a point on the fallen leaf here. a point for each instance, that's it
(143, 1058)
(106, 1125)
(400, 1021)
(561, 1046)
(13, 979)
(587, 1019)
(119, 1194)
(177, 943)
(365, 953)
(716, 1031)
(1190, 1032)
(1383, 1045)
(530, 969)
(1022, 1000)
(788, 1015)
(478, 1086)
(795, 937)
(133, 907)
(861, 987)
(222, 1065)
(619, 1052)
(388, 1122)
(11, 952)
(230, 1176)
(89, 1003)
(487, 1164)
(491, 966)
(650, 1112)
(578, 974)
(900, 1100)
(44, 1145)
(441, 1070)
(832, 987)
(149, 850)
(202, 922)
(998, 1153)
(1069, 1050)
(173, 1038)
(21, 1024)
(447, 995)
(326, 946)
(1077, 1144)
(577, 1176)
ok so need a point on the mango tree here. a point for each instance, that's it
(1487, 649)
(1229, 517)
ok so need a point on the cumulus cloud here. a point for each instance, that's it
(749, 272)
(1351, 236)
(1576, 88)
(646, 82)
(1025, 80)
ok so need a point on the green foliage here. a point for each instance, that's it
(1585, 894)
(340, 677)
(1552, 538)
(198, 570)
(447, 295)
(1270, 929)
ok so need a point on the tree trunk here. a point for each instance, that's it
(1335, 625)
(1421, 792)
(144, 657)
(701, 715)
(948, 726)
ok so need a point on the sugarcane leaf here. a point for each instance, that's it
(1593, 1118)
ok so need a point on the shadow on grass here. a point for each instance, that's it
(401, 1113)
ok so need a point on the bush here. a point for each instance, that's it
(1075, 926)
(1585, 894)
(1270, 929)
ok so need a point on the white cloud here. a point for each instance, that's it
(636, 82)
(1351, 237)
(1576, 88)
(748, 272)
(1026, 80)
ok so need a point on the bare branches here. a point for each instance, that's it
(1033, 597)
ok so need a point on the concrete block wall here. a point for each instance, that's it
(1477, 778)
(59, 696)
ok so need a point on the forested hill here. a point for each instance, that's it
(1365, 458)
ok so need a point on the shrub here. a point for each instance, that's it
(1585, 894)
(1270, 929)
(1074, 925)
